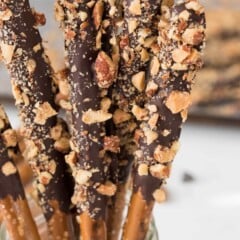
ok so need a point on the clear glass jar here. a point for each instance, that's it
(152, 232)
(39, 219)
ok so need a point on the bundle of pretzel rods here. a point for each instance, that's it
(130, 67)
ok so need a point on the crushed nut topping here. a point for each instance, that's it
(56, 132)
(71, 158)
(164, 154)
(120, 116)
(105, 104)
(151, 88)
(108, 189)
(184, 15)
(105, 70)
(112, 144)
(59, 12)
(30, 150)
(132, 25)
(160, 171)
(143, 169)
(138, 81)
(44, 178)
(62, 145)
(98, 13)
(31, 65)
(2, 124)
(144, 55)
(159, 195)
(178, 101)
(135, 7)
(152, 122)
(139, 113)
(91, 116)
(196, 6)
(150, 135)
(184, 115)
(193, 36)
(52, 167)
(40, 19)
(180, 54)
(152, 108)
(154, 66)
(83, 15)
(7, 51)
(10, 138)
(82, 176)
(43, 112)
(8, 169)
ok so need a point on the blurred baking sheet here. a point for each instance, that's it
(227, 113)
(216, 93)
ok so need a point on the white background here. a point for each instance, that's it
(207, 208)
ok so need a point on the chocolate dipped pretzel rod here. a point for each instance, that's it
(168, 91)
(33, 88)
(110, 44)
(14, 208)
(136, 38)
(24, 169)
(81, 21)
(112, 16)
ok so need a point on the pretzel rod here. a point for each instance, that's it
(112, 16)
(25, 171)
(168, 97)
(135, 40)
(14, 208)
(33, 88)
(91, 73)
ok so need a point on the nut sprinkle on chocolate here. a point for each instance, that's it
(168, 95)
(34, 91)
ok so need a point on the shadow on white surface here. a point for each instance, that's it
(209, 206)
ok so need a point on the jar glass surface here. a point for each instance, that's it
(42, 228)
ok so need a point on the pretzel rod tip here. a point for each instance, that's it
(14, 207)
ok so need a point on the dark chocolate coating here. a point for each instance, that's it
(176, 81)
(150, 10)
(117, 174)
(146, 184)
(85, 95)
(124, 93)
(10, 185)
(20, 30)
